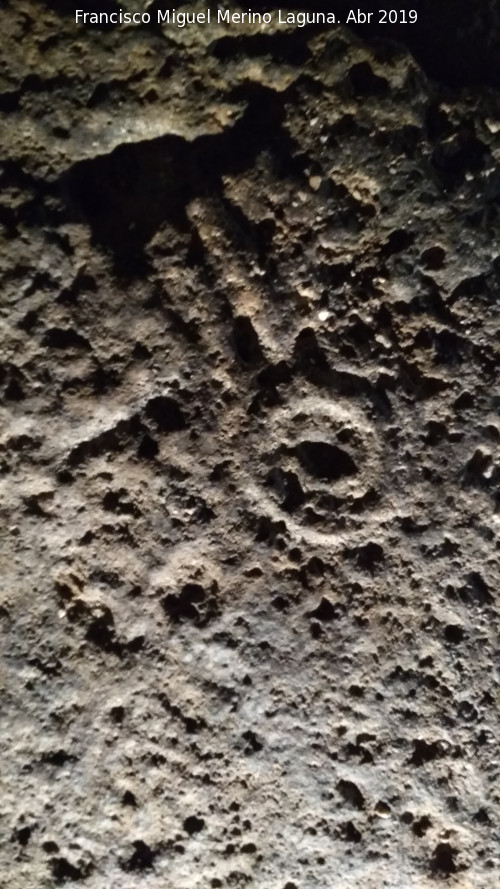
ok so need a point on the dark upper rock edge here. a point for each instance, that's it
(454, 41)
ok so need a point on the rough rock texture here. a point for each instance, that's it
(454, 40)
(249, 461)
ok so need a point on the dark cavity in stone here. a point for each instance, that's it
(325, 461)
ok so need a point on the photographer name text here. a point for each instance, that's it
(223, 16)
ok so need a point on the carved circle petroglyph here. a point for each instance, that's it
(320, 464)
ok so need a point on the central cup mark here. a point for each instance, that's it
(325, 461)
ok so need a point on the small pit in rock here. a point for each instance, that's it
(325, 461)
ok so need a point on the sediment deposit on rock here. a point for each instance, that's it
(249, 460)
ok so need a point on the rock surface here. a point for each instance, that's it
(249, 461)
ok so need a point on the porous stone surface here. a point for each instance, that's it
(457, 41)
(249, 461)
